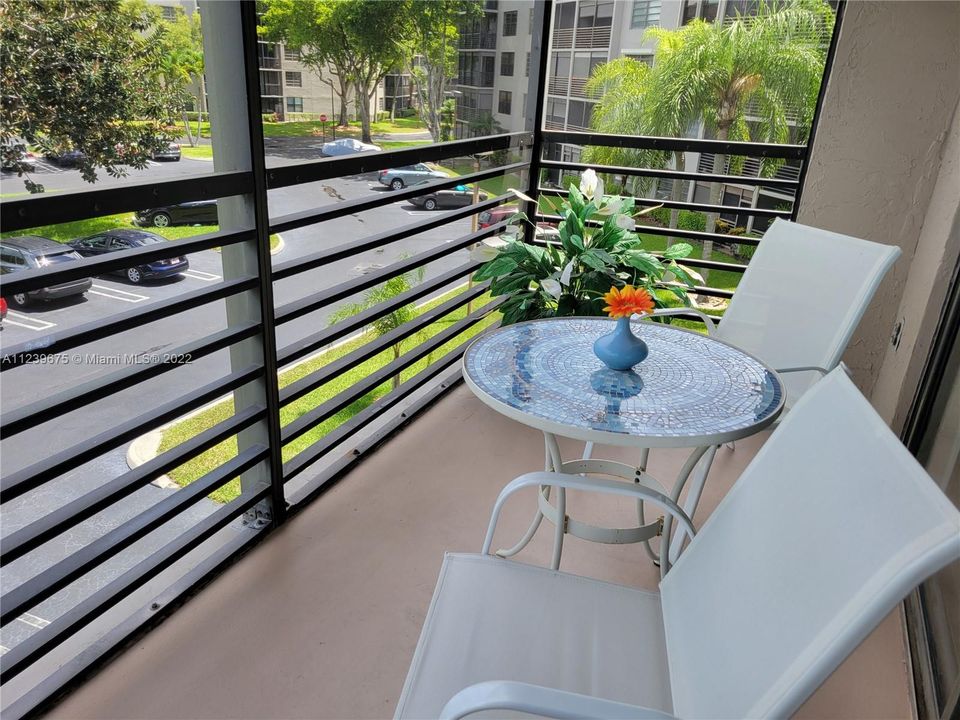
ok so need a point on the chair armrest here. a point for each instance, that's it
(544, 701)
(588, 484)
(710, 322)
(803, 368)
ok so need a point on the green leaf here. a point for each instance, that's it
(500, 265)
(644, 261)
(576, 200)
(678, 250)
(592, 259)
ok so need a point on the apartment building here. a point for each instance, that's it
(494, 76)
(289, 87)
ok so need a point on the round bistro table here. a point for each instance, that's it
(690, 392)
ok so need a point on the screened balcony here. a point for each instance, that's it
(290, 575)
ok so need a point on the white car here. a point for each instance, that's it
(347, 146)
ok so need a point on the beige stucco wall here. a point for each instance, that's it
(884, 168)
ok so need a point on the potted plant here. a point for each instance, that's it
(596, 249)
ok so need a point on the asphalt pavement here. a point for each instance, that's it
(113, 294)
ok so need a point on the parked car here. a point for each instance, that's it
(66, 158)
(170, 152)
(346, 146)
(3, 311)
(497, 214)
(122, 239)
(460, 196)
(30, 252)
(201, 212)
(398, 178)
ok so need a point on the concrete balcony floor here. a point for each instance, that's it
(321, 619)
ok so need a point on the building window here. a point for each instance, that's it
(293, 79)
(510, 23)
(294, 104)
(584, 63)
(646, 59)
(526, 73)
(566, 14)
(506, 64)
(169, 13)
(579, 114)
(556, 112)
(505, 101)
(646, 13)
(291, 54)
(595, 14)
(689, 11)
(560, 67)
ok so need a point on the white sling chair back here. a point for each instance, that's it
(801, 298)
(830, 526)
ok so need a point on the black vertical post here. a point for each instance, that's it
(248, 19)
(536, 98)
(827, 70)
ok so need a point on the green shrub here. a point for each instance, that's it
(661, 215)
(407, 113)
(689, 220)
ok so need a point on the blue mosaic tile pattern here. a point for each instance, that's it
(689, 385)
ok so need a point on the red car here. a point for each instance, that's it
(3, 311)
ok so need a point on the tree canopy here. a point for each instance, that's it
(753, 78)
(91, 81)
(361, 40)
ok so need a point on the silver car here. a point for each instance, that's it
(399, 178)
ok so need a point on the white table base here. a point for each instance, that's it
(644, 532)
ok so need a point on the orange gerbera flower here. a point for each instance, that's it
(624, 302)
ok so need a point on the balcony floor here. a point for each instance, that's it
(320, 620)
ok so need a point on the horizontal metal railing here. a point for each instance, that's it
(19, 544)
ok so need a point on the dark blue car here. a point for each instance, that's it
(115, 240)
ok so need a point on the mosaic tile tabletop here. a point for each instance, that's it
(688, 387)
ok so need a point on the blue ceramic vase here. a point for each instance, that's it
(620, 349)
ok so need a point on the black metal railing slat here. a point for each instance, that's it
(61, 341)
(56, 577)
(28, 538)
(16, 421)
(17, 483)
(19, 657)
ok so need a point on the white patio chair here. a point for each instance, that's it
(830, 526)
(800, 299)
(796, 307)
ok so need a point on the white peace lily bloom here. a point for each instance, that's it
(565, 275)
(626, 222)
(612, 207)
(487, 249)
(525, 198)
(588, 183)
(552, 287)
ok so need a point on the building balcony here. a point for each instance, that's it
(476, 79)
(478, 41)
(322, 618)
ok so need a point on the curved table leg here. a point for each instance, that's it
(538, 517)
(642, 468)
(666, 544)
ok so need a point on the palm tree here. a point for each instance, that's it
(711, 72)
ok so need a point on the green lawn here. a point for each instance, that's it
(200, 152)
(202, 464)
(306, 128)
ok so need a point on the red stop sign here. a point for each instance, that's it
(323, 118)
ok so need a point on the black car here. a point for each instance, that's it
(31, 252)
(117, 240)
(460, 196)
(66, 158)
(201, 212)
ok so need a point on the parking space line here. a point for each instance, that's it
(30, 323)
(201, 275)
(33, 620)
(117, 294)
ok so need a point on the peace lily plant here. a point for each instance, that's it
(598, 249)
